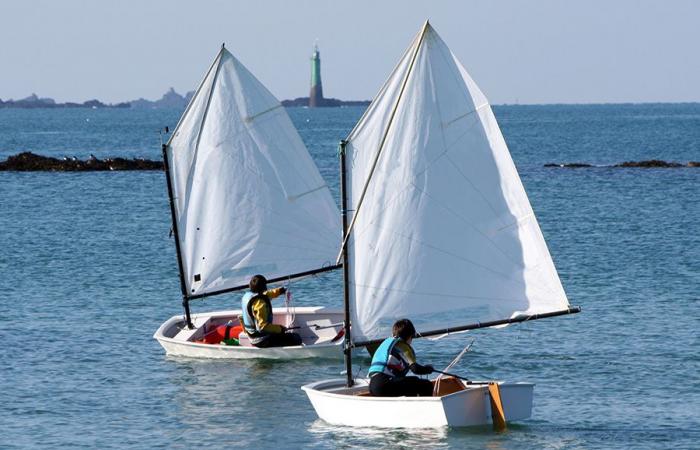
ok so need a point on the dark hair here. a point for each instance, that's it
(403, 329)
(258, 284)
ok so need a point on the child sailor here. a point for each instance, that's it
(257, 316)
(392, 361)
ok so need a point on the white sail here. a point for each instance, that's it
(248, 197)
(443, 232)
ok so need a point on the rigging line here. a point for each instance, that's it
(382, 142)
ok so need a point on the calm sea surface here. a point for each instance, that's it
(88, 274)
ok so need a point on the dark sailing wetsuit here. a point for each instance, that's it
(390, 364)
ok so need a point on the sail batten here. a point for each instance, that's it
(248, 197)
(446, 234)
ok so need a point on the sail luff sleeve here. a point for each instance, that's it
(381, 143)
(196, 93)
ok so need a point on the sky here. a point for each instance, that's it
(537, 51)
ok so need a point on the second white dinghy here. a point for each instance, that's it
(246, 198)
(441, 232)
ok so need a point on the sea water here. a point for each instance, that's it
(89, 272)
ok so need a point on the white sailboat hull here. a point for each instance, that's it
(338, 405)
(177, 340)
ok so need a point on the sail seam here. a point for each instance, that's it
(411, 184)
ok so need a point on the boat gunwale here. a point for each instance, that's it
(311, 387)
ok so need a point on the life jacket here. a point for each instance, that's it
(385, 362)
(249, 325)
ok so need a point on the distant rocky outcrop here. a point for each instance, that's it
(34, 101)
(30, 162)
(169, 100)
(325, 102)
(647, 164)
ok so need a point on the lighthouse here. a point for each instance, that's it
(316, 93)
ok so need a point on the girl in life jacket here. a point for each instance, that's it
(392, 361)
(257, 316)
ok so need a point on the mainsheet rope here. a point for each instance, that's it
(288, 303)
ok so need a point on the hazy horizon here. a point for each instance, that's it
(548, 52)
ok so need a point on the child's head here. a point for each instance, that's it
(258, 284)
(403, 329)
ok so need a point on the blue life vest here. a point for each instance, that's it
(384, 362)
(249, 324)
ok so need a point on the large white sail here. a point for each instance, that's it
(443, 232)
(248, 197)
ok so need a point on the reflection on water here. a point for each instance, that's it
(381, 437)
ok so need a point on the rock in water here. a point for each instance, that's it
(30, 162)
(652, 163)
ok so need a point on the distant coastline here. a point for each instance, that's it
(169, 100)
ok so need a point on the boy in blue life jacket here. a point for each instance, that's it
(392, 361)
(257, 316)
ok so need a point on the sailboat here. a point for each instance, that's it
(245, 198)
(438, 229)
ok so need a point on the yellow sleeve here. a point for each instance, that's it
(406, 352)
(274, 293)
(260, 315)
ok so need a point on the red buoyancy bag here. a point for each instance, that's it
(220, 333)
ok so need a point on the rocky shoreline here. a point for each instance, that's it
(647, 164)
(30, 162)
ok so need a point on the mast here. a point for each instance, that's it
(346, 270)
(183, 287)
